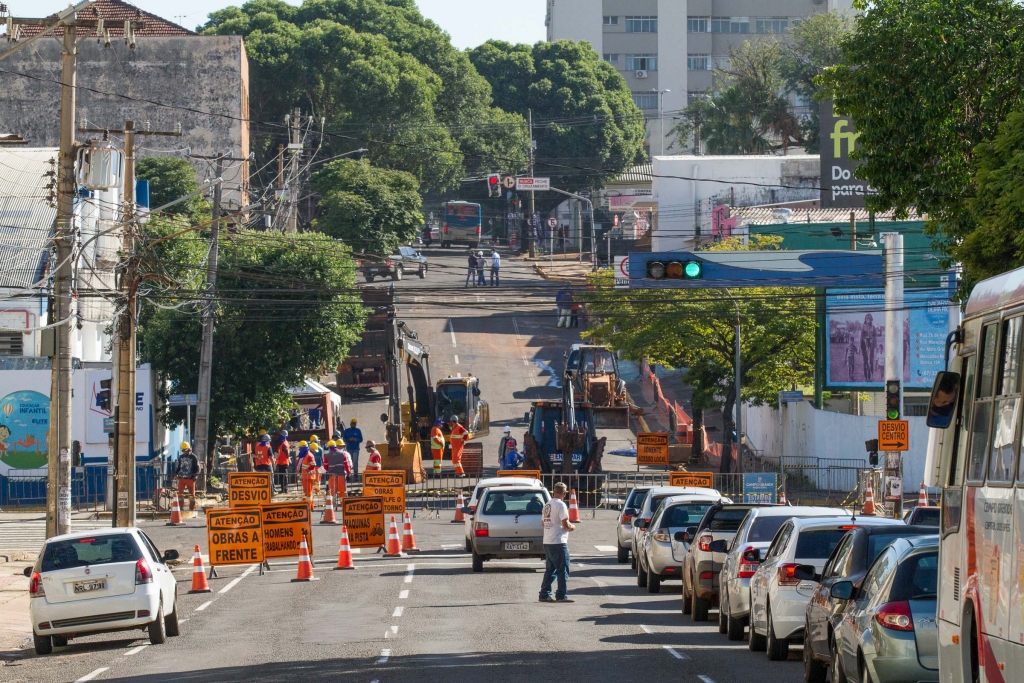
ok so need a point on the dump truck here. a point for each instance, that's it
(366, 366)
(593, 372)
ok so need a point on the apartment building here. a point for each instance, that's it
(668, 49)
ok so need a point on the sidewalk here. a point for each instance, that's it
(15, 625)
(563, 268)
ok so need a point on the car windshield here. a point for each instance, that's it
(727, 519)
(513, 503)
(687, 514)
(817, 544)
(763, 529)
(83, 552)
(917, 578)
(927, 517)
(877, 542)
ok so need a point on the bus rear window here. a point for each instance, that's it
(463, 210)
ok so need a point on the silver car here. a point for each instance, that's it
(667, 540)
(507, 524)
(624, 522)
(651, 502)
(888, 632)
(483, 485)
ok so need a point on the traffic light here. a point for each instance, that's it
(871, 446)
(675, 270)
(103, 395)
(493, 184)
(892, 399)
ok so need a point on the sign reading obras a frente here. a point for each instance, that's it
(249, 488)
(234, 536)
(364, 518)
(389, 486)
(283, 524)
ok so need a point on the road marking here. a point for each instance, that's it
(647, 630)
(182, 621)
(606, 548)
(403, 595)
(398, 611)
(135, 650)
(515, 326)
(456, 360)
(452, 546)
(451, 328)
(409, 572)
(384, 654)
(672, 651)
(231, 584)
(706, 679)
(252, 568)
(459, 375)
(204, 605)
(94, 674)
(394, 629)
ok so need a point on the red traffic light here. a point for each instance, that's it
(493, 180)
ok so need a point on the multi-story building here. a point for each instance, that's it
(667, 50)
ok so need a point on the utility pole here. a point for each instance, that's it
(533, 218)
(295, 147)
(893, 242)
(853, 231)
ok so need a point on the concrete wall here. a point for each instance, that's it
(575, 20)
(204, 78)
(797, 429)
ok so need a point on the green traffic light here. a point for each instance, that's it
(693, 269)
(893, 414)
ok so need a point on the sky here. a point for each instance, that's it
(469, 22)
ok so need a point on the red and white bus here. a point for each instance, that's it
(976, 460)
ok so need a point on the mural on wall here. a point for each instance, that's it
(24, 423)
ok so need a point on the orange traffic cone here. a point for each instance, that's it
(394, 546)
(782, 498)
(345, 553)
(328, 517)
(460, 516)
(574, 510)
(408, 540)
(175, 513)
(922, 497)
(305, 571)
(869, 501)
(199, 582)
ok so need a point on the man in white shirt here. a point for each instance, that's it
(556, 545)
(495, 267)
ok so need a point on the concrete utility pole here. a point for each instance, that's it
(533, 210)
(295, 147)
(893, 242)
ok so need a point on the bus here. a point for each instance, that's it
(974, 456)
(462, 224)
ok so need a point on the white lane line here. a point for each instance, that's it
(182, 621)
(384, 654)
(204, 605)
(515, 326)
(706, 679)
(452, 546)
(403, 595)
(458, 374)
(647, 630)
(606, 548)
(451, 328)
(409, 571)
(394, 629)
(677, 655)
(234, 582)
(250, 570)
(92, 675)
(136, 650)
(398, 611)
(456, 360)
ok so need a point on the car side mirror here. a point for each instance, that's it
(682, 536)
(28, 571)
(842, 590)
(752, 556)
(718, 546)
(170, 555)
(466, 510)
(692, 531)
(805, 572)
(942, 404)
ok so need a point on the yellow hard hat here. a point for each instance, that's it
(331, 444)
(262, 432)
(353, 421)
(185, 446)
(303, 443)
(314, 438)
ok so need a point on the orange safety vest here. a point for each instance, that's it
(308, 464)
(263, 454)
(436, 439)
(375, 461)
(458, 436)
(283, 457)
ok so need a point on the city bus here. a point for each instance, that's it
(974, 456)
(462, 224)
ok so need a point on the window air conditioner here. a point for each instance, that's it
(641, 73)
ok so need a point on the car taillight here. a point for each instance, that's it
(143, 574)
(895, 616)
(747, 568)
(480, 529)
(478, 229)
(446, 227)
(626, 519)
(704, 543)
(387, 263)
(786, 574)
(472, 509)
(35, 586)
(705, 576)
(661, 536)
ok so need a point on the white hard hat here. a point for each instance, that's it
(508, 430)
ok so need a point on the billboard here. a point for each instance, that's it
(855, 337)
(838, 138)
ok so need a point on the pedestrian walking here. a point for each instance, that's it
(471, 270)
(563, 302)
(574, 313)
(263, 460)
(186, 473)
(339, 467)
(373, 459)
(495, 267)
(282, 459)
(555, 518)
(481, 263)
(353, 439)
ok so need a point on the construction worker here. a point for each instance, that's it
(506, 444)
(373, 459)
(512, 460)
(437, 446)
(282, 459)
(187, 471)
(308, 474)
(458, 437)
(339, 466)
(318, 452)
(263, 460)
(353, 438)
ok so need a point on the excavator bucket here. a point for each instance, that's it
(611, 417)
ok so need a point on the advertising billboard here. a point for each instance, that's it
(839, 188)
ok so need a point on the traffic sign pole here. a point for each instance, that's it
(893, 243)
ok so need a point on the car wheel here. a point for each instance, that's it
(623, 555)
(60, 641)
(838, 675)
(756, 642)
(157, 628)
(469, 546)
(653, 583)
(687, 601)
(397, 275)
(865, 676)
(722, 623)
(632, 562)
(700, 609)
(776, 648)
(171, 620)
(814, 671)
(423, 271)
(641, 575)
(44, 644)
(733, 627)
(478, 563)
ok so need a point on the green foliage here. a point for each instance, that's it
(695, 329)
(371, 208)
(583, 110)
(286, 307)
(172, 178)
(926, 82)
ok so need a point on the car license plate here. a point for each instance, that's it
(86, 586)
(509, 545)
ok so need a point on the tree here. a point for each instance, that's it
(371, 208)
(587, 127)
(172, 178)
(695, 329)
(925, 83)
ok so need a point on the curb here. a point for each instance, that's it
(7, 556)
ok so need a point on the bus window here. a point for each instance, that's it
(956, 468)
(1005, 431)
(982, 416)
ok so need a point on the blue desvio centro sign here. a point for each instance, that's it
(760, 269)
(759, 487)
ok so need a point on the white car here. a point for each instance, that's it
(509, 524)
(667, 541)
(785, 581)
(100, 581)
(624, 522)
(655, 495)
(478, 492)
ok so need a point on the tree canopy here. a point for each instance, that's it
(172, 178)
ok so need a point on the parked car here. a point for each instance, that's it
(888, 633)
(101, 581)
(652, 500)
(925, 515)
(507, 524)
(667, 541)
(743, 555)
(702, 566)
(478, 490)
(401, 260)
(848, 562)
(624, 523)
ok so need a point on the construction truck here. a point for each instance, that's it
(593, 372)
(366, 366)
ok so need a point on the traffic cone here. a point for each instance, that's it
(199, 582)
(922, 497)
(394, 546)
(408, 540)
(869, 501)
(345, 553)
(328, 517)
(782, 498)
(574, 510)
(460, 516)
(175, 513)
(305, 570)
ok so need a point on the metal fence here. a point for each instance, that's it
(26, 489)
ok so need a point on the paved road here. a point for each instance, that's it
(421, 618)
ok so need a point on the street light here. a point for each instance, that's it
(661, 118)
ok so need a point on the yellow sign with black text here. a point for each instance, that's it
(389, 486)
(893, 435)
(703, 480)
(234, 536)
(652, 448)
(283, 524)
(364, 519)
(246, 489)
(529, 474)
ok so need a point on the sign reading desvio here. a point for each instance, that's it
(712, 269)
(839, 189)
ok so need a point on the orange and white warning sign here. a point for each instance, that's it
(652, 448)
(234, 536)
(364, 518)
(249, 488)
(529, 474)
(283, 524)
(389, 486)
(703, 480)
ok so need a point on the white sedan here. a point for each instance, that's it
(100, 581)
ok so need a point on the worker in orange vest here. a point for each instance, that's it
(281, 462)
(262, 457)
(339, 466)
(458, 437)
(309, 475)
(373, 463)
(437, 446)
